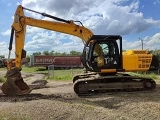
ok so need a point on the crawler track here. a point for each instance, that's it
(91, 84)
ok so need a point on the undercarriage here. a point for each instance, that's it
(93, 83)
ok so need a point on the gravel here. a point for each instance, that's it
(57, 101)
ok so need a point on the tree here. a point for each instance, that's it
(155, 52)
(74, 53)
(46, 53)
(37, 53)
(57, 54)
(2, 56)
(52, 52)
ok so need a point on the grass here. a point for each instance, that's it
(151, 75)
(3, 69)
(6, 115)
(68, 74)
(34, 69)
(62, 74)
(65, 75)
(2, 79)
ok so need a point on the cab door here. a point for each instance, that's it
(105, 56)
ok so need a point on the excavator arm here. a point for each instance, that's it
(21, 21)
(15, 84)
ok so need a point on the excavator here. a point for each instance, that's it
(106, 65)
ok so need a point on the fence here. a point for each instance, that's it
(63, 73)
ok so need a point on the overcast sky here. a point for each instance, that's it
(132, 19)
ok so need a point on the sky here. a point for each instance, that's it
(134, 20)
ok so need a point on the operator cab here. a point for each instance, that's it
(102, 52)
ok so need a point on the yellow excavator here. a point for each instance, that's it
(104, 62)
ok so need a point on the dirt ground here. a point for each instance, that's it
(57, 101)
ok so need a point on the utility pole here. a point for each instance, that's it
(141, 42)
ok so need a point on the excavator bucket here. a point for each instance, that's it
(14, 84)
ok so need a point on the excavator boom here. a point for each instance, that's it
(19, 27)
(15, 84)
